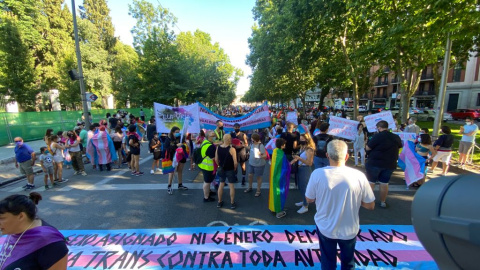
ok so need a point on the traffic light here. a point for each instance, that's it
(73, 75)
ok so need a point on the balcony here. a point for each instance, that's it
(394, 81)
(380, 96)
(425, 93)
(426, 77)
(381, 83)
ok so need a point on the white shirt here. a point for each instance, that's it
(338, 194)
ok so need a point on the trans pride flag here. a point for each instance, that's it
(279, 181)
(100, 149)
(412, 163)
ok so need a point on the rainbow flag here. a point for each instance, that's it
(279, 181)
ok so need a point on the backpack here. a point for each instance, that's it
(321, 147)
(197, 155)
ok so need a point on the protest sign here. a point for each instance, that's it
(342, 127)
(258, 118)
(239, 247)
(372, 120)
(167, 117)
(292, 117)
(406, 136)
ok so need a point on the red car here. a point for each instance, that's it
(463, 113)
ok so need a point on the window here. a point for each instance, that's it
(478, 99)
(457, 72)
(395, 86)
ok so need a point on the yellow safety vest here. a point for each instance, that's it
(219, 135)
(207, 162)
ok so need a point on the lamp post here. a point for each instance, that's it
(80, 70)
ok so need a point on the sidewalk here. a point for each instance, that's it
(8, 172)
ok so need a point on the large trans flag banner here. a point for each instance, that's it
(167, 117)
(239, 247)
(258, 118)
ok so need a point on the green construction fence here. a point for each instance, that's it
(32, 125)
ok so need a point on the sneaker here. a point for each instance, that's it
(83, 173)
(25, 186)
(299, 204)
(302, 210)
(233, 206)
(281, 214)
(170, 190)
(383, 204)
(210, 199)
(76, 173)
(47, 187)
(139, 173)
(30, 187)
(220, 204)
(152, 172)
(63, 180)
(180, 186)
(134, 173)
(159, 170)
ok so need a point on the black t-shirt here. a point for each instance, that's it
(290, 138)
(43, 258)
(225, 158)
(445, 141)
(135, 150)
(322, 136)
(113, 122)
(150, 129)
(384, 150)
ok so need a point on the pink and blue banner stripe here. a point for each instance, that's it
(239, 247)
(412, 163)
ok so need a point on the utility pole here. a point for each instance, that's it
(443, 89)
(80, 70)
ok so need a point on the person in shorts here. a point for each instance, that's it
(226, 158)
(25, 159)
(156, 150)
(443, 146)
(46, 161)
(468, 131)
(256, 164)
(382, 159)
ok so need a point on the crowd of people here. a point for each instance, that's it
(314, 160)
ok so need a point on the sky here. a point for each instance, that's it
(228, 22)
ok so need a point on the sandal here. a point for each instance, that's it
(258, 193)
(248, 190)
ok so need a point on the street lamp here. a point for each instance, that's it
(80, 70)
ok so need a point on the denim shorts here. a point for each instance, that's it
(376, 174)
(257, 171)
(227, 175)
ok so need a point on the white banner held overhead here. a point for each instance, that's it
(342, 127)
(372, 120)
(167, 117)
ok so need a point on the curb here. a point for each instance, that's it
(17, 178)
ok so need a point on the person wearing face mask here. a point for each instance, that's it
(56, 149)
(241, 149)
(73, 142)
(156, 149)
(219, 132)
(443, 146)
(172, 142)
(24, 160)
(412, 127)
(305, 164)
(468, 131)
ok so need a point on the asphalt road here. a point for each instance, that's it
(117, 200)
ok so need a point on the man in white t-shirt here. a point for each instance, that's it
(338, 192)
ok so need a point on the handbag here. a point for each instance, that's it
(167, 165)
(68, 158)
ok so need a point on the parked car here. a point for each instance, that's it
(463, 113)
(362, 108)
(429, 115)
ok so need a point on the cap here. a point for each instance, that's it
(236, 125)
